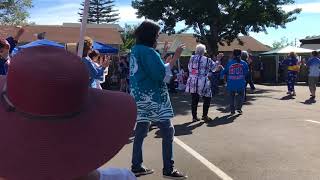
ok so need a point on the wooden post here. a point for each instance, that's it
(83, 27)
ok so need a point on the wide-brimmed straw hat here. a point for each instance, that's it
(52, 126)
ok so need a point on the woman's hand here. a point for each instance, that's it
(177, 55)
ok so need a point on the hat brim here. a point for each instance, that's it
(34, 149)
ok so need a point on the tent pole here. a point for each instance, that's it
(83, 27)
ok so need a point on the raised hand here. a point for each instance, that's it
(20, 32)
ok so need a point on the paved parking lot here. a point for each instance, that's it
(277, 138)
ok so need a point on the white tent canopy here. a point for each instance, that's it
(287, 50)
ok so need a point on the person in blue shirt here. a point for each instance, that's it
(314, 72)
(6, 48)
(293, 68)
(148, 78)
(236, 71)
(96, 72)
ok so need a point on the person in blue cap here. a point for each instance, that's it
(6, 47)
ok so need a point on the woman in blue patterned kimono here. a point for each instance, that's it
(148, 77)
(293, 68)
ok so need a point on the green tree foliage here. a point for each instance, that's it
(128, 37)
(282, 43)
(14, 12)
(217, 21)
(101, 12)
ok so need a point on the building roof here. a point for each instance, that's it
(308, 38)
(65, 34)
(249, 43)
(115, 26)
(311, 46)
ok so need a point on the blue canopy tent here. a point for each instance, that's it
(104, 48)
(42, 42)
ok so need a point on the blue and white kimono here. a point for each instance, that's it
(148, 74)
(292, 75)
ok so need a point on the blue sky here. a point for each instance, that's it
(55, 12)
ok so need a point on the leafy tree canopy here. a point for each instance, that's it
(14, 12)
(101, 12)
(217, 21)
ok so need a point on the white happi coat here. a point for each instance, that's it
(200, 67)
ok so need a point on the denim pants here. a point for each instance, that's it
(167, 133)
(236, 100)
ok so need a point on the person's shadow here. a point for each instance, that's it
(183, 129)
(288, 97)
(222, 120)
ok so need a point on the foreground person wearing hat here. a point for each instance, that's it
(53, 127)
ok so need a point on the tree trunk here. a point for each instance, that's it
(213, 40)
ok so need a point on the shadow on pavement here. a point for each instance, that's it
(288, 97)
(222, 120)
(183, 129)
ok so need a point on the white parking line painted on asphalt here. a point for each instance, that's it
(203, 160)
(313, 121)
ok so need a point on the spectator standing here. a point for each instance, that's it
(6, 48)
(215, 76)
(96, 73)
(314, 72)
(246, 57)
(97, 60)
(124, 73)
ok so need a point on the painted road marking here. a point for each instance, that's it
(313, 121)
(203, 160)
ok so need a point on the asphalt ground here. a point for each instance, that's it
(276, 138)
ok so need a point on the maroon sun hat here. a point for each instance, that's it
(52, 126)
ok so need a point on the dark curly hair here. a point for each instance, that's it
(147, 33)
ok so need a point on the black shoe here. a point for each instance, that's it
(239, 111)
(195, 119)
(175, 174)
(206, 118)
(312, 97)
(142, 171)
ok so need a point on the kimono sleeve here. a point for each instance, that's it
(154, 66)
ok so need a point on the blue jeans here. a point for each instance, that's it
(167, 133)
(236, 101)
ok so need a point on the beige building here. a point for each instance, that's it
(249, 44)
(69, 33)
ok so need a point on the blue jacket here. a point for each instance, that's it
(236, 75)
